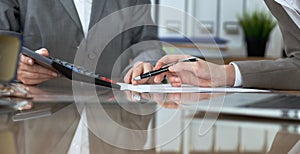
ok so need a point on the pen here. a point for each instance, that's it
(164, 69)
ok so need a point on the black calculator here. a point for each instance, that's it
(70, 70)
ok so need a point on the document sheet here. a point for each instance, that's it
(167, 88)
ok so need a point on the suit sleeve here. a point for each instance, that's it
(145, 41)
(9, 15)
(281, 73)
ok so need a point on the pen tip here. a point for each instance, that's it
(137, 78)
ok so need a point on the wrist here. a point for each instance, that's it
(230, 75)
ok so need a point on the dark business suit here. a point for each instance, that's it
(55, 25)
(282, 73)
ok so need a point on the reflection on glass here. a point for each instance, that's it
(172, 100)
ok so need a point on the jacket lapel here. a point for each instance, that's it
(97, 10)
(71, 9)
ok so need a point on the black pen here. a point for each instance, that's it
(164, 69)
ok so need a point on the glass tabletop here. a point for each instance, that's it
(126, 122)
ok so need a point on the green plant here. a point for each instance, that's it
(257, 24)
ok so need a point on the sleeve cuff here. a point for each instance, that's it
(238, 76)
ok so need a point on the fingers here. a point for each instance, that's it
(133, 96)
(43, 52)
(30, 61)
(186, 77)
(37, 69)
(33, 75)
(135, 71)
(168, 59)
(191, 98)
(159, 98)
(30, 81)
(170, 105)
(138, 69)
(193, 80)
(31, 78)
(26, 60)
(175, 97)
(194, 67)
(160, 77)
(175, 81)
(128, 76)
(30, 73)
(141, 69)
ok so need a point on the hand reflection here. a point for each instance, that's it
(171, 100)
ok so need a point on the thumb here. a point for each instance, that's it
(43, 52)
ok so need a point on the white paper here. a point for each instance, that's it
(167, 88)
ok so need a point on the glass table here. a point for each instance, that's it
(124, 122)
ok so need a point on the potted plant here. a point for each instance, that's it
(257, 27)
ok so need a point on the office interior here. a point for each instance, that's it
(57, 118)
(216, 19)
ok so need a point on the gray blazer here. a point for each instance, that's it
(55, 25)
(282, 73)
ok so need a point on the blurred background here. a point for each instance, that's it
(218, 17)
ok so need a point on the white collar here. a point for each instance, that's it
(295, 4)
(292, 4)
(292, 7)
(84, 8)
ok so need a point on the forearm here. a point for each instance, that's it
(279, 74)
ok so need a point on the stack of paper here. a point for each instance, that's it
(167, 88)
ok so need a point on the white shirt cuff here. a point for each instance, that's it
(238, 76)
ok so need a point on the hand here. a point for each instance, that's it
(30, 73)
(159, 98)
(200, 73)
(172, 100)
(138, 69)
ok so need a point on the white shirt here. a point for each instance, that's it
(292, 7)
(238, 76)
(84, 8)
(80, 142)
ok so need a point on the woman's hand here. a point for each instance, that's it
(200, 73)
(138, 69)
(30, 73)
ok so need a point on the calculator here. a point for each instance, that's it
(70, 70)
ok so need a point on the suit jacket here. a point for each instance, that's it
(55, 25)
(282, 73)
(285, 142)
